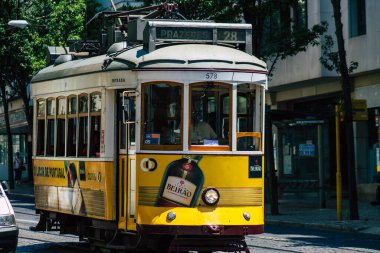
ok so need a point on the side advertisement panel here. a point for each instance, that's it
(75, 187)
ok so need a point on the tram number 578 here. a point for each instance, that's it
(211, 76)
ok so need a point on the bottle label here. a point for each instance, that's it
(179, 190)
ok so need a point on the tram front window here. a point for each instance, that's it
(210, 117)
(248, 122)
(162, 115)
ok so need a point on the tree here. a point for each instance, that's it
(337, 61)
(276, 35)
(22, 53)
(10, 54)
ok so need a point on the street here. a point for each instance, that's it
(47, 242)
(275, 239)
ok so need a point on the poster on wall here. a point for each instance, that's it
(306, 149)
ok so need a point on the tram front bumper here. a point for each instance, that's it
(201, 220)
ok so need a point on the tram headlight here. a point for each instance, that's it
(210, 196)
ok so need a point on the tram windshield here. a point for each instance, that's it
(210, 114)
(162, 115)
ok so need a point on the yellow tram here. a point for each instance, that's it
(158, 145)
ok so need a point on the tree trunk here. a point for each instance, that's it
(346, 87)
(29, 118)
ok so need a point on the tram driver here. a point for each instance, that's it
(202, 132)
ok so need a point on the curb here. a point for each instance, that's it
(334, 227)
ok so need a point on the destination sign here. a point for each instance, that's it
(199, 34)
(196, 32)
(183, 33)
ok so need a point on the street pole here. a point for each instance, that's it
(322, 194)
(338, 172)
(349, 131)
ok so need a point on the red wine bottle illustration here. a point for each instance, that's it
(181, 183)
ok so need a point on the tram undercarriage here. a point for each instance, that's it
(105, 237)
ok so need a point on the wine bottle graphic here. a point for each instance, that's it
(181, 183)
(75, 195)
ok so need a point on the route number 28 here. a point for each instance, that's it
(211, 76)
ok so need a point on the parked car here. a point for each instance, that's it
(8, 227)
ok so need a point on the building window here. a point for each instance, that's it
(162, 122)
(41, 110)
(298, 14)
(61, 120)
(83, 125)
(72, 122)
(96, 107)
(357, 17)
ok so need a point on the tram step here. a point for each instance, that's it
(224, 244)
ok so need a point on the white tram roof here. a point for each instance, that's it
(167, 56)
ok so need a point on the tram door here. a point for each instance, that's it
(127, 160)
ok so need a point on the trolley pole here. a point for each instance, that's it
(338, 171)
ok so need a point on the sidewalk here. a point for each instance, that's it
(306, 212)
(25, 189)
(300, 212)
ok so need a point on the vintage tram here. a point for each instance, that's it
(158, 145)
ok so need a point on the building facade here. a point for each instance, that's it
(303, 95)
(19, 130)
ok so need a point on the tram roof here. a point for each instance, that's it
(166, 56)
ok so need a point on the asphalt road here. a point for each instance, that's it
(277, 239)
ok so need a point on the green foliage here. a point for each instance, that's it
(330, 58)
(217, 10)
(23, 52)
(53, 23)
(276, 35)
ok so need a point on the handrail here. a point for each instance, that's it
(250, 134)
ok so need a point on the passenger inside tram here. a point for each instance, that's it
(202, 132)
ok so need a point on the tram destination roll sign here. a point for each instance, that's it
(199, 34)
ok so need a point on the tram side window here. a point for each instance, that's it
(210, 114)
(72, 123)
(61, 133)
(162, 115)
(50, 133)
(83, 125)
(40, 127)
(95, 111)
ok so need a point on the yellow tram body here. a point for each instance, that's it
(110, 167)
